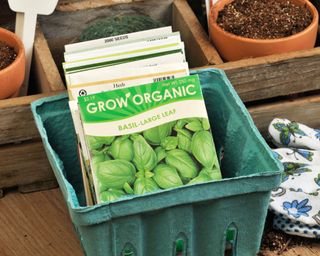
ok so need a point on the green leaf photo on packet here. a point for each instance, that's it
(149, 138)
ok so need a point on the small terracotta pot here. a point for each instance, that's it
(232, 47)
(11, 77)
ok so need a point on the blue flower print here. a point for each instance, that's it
(297, 209)
(305, 153)
(277, 155)
(293, 169)
(287, 131)
(317, 134)
(317, 180)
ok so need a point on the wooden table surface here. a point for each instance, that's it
(38, 224)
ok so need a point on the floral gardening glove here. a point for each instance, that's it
(296, 203)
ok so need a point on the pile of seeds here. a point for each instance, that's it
(7, 55)
(264, 19)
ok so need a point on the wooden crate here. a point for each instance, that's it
(72, 17)
(254, 79)
(23, 163)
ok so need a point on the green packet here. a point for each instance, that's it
(147, 138)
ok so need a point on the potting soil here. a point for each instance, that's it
(7, 55)
(264, 19)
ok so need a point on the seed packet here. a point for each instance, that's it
(146, 138)
(116, 40)
(149, 42)
(111, 59)
(111, 78)
(134, 77)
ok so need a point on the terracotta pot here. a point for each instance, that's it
(11, 77)
(232, 47)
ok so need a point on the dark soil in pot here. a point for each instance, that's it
(264, 19)
(7, 55)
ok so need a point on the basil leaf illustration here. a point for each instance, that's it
(128, 189)
(183, 162)
(205, 124)
(202, 177)
(184, 139)
(214, 173)
(203, 149)
(169, 143)
(180, 124)
(111, 195)
(144, 157)
(161, 153)
(166, 176)
(122, 148)
(194, 126)
(97, 142)
(156, 134)
(206, 175)
(144, 185)
(98, 158)
(115, 173)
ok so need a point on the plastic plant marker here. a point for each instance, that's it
(209, 3)
(26, 19)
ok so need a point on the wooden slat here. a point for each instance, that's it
(199, 50)
(46, 73)
(36, 224)
(273, 76)
(24, 164)
(271, 59)
(72, 6)
(38, 186)
(305, 110)
(16, 120)
(313, 250)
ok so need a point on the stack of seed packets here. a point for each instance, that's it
(108, 153)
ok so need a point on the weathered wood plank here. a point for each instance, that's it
(72, 6)
(16, 120)
(280, 78)
(24, 164)
(199, 50)
(275, 75)
(305, 110)
(313, 250)
(38, 186)
(36, 224)
(45, 71)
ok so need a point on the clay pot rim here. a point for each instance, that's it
(20, 54)
(314, 22)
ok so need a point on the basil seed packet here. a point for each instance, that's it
(150, 137)
(115, 79)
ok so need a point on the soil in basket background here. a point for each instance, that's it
(7, 55)
(264, 19)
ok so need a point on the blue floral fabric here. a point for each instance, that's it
(296, 203)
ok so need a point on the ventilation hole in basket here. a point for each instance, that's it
(221, 154)
(179, 247)
(231, 239)
(128, 250)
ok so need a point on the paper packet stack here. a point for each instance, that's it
(117, 88)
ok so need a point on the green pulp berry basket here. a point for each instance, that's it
(196, 217)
